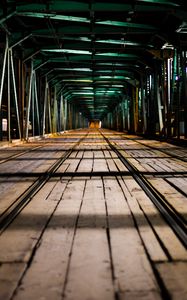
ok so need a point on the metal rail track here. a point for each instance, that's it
(17, 206)
(168, 152)
(174, 219)
(20, 154)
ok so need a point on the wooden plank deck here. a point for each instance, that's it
(93, 237)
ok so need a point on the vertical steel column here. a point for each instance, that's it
(144, 111)
(160, 108)
(184, 73)
(9, 100)
(79, 123)
(177, 121)
(22, 95)
(3, 71)
(36, 101)
(29, 102)
(164, 96)
(65, 114)
(2, 81)
(117, 118)
(169, 97)
(49, 110)
(55, 111)
(33, 106)
(15, 92)
(61, 120)
(45, 106)
(70, 115)
(123, 115)
(136, 112)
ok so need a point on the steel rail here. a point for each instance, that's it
(17, 206)
(19, 154)
(167, 152)
(175, 220)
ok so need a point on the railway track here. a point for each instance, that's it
(173, 218)
(91, 190)
(168, 151)
(12, 157)
(9, 214)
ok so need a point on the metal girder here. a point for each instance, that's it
(92, 45)
(78, 6)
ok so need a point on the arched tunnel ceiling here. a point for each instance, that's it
(93, 50)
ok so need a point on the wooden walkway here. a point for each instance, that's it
(91, 232)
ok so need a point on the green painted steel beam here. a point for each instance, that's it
(74, 69)
(123, 42)
(80, 39)
(80, 6)
(117, 42)
(58, 17)
(99, 78)
(160, 2)
(53, 16)
(88, 70)
(124, 55)
(126, 24)
(101, 57)
(84, 29)
(68, 51)
(60, 5)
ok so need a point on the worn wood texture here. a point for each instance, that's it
(93, 237)
(89, 274)
(175, 249)
(174, 277)
(133, 271)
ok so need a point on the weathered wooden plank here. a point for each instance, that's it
(94, 190)
(63, 167)
(113, 154)
(47, 274)
(10, 274)
(90, 270)
(18, 241)
(175, 198)
(58, 189)
(140, 167)
(165, 233)
(19, 247)
(133, 272)
(174, 276)
(111, 165)
(12, 188)
(121, 167)
(86, 165)
(150, 240)
(74, 189)
(80, 154)
(73, 154)
(166, 166)
(159, 167)
(106, 153)
(98, 154)
(180, 183)
(73, 164)
(179, 165)
(100, 165)
(88, 154)
(90, 274)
